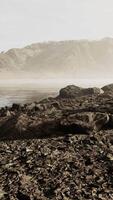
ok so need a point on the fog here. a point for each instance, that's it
(52, 84)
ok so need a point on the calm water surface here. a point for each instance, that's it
(13, 95)
(26, 91)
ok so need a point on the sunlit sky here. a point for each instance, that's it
(23, 22)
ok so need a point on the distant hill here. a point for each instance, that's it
(73, 59)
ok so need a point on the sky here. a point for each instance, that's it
(23, 22)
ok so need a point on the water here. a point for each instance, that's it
(26, 91)
(13, 95)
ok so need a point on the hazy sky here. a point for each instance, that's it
(23, 22)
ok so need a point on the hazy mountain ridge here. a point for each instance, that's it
(66, 58)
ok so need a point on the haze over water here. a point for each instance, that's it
(26, 91)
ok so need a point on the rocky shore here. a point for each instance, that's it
(75, 110)
(58, 148)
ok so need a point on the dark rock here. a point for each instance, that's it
(100, 120)
(21, 196)
(15, 107)
(70, 91)
(73, 91)
(72, 166)
(85, 122)
(91, 91)
(108, 88)
(81, 122)
(58, 116)
(22, 123)
(110, 124)
(31, 106)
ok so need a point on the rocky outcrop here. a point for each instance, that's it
(72, 91)
(85, 122)
(76, 165)
(91, 91)
(58, 116)
(108, 88)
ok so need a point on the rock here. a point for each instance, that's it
(90, 112)
(21, 196)
(56, 105)
(71, 91)
(80, 122)
(58, 168)
(2, 193)
(110, 124)
(16, 106)
(85, 122)
(7, 127)
(22, 123)
(100, 120)
(105, 95)
(91, 91)
(31, 106)
(8, 113)
(41, 107)
(108, 88)
(78, 164)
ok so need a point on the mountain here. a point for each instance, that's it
(64, 59)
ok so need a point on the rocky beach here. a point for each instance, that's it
(58, 148)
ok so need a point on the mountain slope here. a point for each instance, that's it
(74, 59)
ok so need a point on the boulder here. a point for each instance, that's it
(71, 91)
(16, 106)
(79, 122)
(110, 124)
(100, 120)
(31, 107)
(108, 88)
(22, 123)
(84, 122)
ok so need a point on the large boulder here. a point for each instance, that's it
(108, 88)
(71, 91)
(79, 122)
(84, 122)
